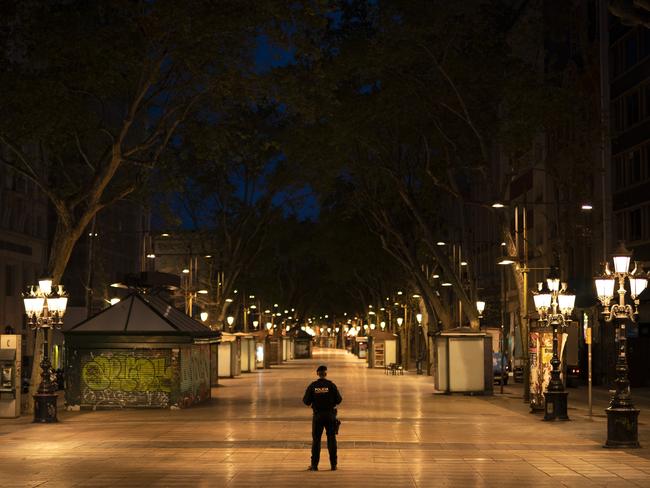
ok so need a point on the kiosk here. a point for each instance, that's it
(229, 355)
(140, 352)
(247, 356)
(10, 377)
(302, 344)
(463, 361)
(382, 349)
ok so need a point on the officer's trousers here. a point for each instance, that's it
(327, 421)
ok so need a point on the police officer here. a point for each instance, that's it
(323, 397)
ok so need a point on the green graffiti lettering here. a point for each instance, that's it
(127, 373)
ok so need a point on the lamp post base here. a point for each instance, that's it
(555, 405)
(622, 427)
(45, 408)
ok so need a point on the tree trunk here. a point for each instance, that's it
(65, 238)
(469, 308)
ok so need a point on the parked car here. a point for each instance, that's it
(500, 368)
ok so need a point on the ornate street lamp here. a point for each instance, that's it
(418, 360)
(622, 417)
(230, 321)
(45, 309)
(554, 305)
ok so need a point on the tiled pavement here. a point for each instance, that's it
(255, 433)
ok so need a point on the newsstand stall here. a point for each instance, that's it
(140, 352)
(382, 349)
(302, 344)
(463, 362)
(261, 339)
(229, 355)
(247, 360)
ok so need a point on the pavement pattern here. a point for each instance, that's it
(255, 432)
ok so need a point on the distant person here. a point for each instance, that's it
(323, 397)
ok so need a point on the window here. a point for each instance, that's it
(621, 226)
(617, 115)
(619, 172)
(631, 50)
(636, 174)
(645, 43)
(632, 115)
(636, 228)
(9, 281)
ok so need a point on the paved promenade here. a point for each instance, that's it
(256, 433)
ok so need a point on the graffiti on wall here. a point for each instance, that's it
(195, 374)
(138, 378)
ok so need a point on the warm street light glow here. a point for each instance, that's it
(186, 271)
(151, 256)
(498, 205)
(255, 323)
(440, 243)
(228, 300)
(204, 316)
(506, 261)
(203, 292)
(463, 263)
(586, 206)
(622, 259)
(446, 283)
(400, 321)
(230, 320)
(418, 317)
(269, 326)
(208, 256)
(436, 276)
(164, 234)
(45, 285)
(113, 301)
(480, 307)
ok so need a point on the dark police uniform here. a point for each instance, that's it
(323, 397)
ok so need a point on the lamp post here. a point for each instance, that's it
(622, 417)
(418, 360)
(45, 309)
(400, 321)
(554, 305)
(230, 321)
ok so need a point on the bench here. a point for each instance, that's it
(394, 369)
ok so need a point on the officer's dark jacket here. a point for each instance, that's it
(322, 395)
